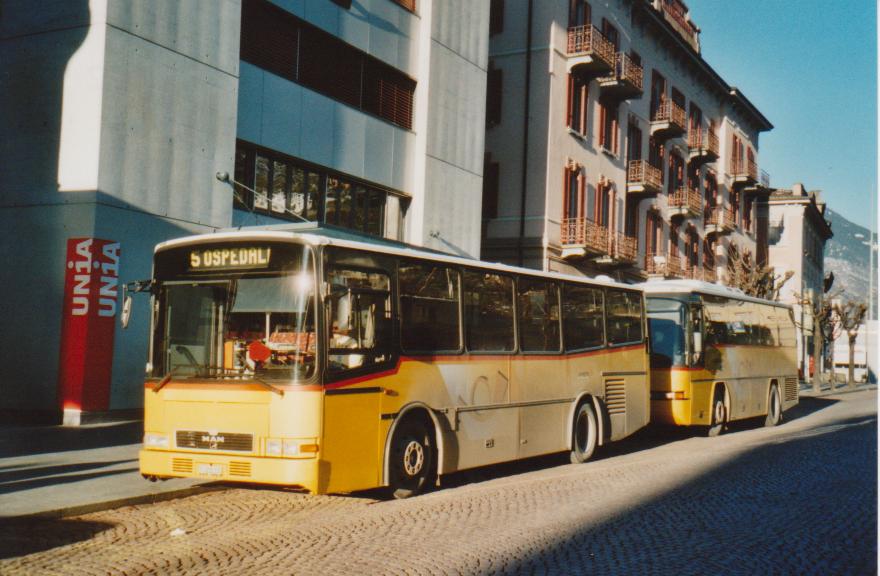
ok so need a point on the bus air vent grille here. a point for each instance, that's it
(240, 469)
(791, 389)
(182, 465)
(615, 396)
(220, 441)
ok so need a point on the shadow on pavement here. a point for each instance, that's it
(7, 487)
(23, 536)
(804, 506)
(25, 441)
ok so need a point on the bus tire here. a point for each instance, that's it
(584, 433)
(719, 414)
(774, 407)
(413, 459)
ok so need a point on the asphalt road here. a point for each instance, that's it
(800, 498)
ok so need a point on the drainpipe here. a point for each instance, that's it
(525, 146)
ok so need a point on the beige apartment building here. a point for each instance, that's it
(613, 147)
(798, 232)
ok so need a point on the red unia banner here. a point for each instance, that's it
(88, 324)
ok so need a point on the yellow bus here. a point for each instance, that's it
(303, 356)
(718, 355)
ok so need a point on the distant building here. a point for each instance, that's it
(124, 124)
(613, 147)
(797, 234)
(865, 354)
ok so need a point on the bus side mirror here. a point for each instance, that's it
(125, 315)
(127, 290)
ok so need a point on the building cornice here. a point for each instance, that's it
(734, 95)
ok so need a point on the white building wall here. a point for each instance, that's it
(116, 116)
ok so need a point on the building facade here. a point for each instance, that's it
(129, 123)
(797, 235)
(613, 147)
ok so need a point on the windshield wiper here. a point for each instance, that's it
(265, 384)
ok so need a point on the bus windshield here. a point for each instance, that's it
(666, 321)
(249, 323)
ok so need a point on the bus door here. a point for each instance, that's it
(359, 346)
(538, 373)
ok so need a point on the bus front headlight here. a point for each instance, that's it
(273, 447)
(153, 440)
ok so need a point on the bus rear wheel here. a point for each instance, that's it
(719, 415)
(774, 407)
(584, 434)
(413, 459)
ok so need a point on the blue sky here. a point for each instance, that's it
(811, 68)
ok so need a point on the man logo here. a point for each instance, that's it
(213, 441)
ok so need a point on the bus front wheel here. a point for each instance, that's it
(584, 434)
(719, 415)
(413, 459)
(774, 407)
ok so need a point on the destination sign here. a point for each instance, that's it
(230, 258)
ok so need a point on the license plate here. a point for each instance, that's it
(209, 469)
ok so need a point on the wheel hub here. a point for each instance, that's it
(413, 458)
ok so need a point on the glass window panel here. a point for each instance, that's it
(359, 208)
(624, 324)
(376, 213)
(582, 317)
(261, 184)
(345, 203)
(313, 197)
(429, 307)
(279, 186)
(297, 192)
(488, 312)
(538, 310)
(331, 202)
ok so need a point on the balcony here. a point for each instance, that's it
(744, 174)
(622, 250)
(703, 146)
(719, 221)
(665, 265)
(668, 121)
(704, 273)
(762, 188)
(675, 12)
(589, 52)
(686, 202)
(580, 237)
(643, 178)
(625, 81)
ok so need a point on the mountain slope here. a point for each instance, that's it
(846, 254)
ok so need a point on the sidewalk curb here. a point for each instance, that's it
(808, 393)
(118, 503)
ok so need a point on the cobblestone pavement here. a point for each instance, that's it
(797, 499)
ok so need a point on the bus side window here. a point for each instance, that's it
(537, 304)
(582, 315)
(360, 318)
(488, 312)
(428, 308)
(623, 317)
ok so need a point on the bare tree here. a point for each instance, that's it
(755, 280)
(825, 328)
(850, 316)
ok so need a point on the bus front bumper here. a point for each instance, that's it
(302, 473)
